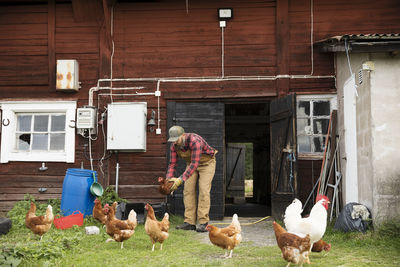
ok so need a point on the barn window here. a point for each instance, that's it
(313, 113)
(38, 131)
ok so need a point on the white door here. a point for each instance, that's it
(350, 126)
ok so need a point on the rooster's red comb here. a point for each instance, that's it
(319, 197)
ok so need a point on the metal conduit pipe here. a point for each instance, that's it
(197, 79)
(116, 177)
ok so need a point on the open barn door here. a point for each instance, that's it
(207, 120)
(283, 154)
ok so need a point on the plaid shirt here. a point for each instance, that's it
(198, 146)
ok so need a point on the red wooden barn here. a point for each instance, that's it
(231, 71)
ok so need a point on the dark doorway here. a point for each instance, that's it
(247, 142)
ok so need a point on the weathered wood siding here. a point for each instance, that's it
(165, 39)
(308, 172)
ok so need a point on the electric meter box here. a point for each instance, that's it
(86, 118)
(126, 126)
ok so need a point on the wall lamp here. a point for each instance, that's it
(224, 14)
(152, 121)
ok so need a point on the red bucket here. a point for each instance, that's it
(76, 218)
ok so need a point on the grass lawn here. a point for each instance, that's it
(72, 247)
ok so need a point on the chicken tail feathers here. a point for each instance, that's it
(236, 223)
(293, 214)
(132, 215)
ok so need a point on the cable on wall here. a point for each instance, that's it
(222, 53)
(346, 46)
(312, 36)
(113, 47)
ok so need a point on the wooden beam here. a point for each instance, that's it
(105, 41)
(51, 43)
(282, 45)
(88, 10)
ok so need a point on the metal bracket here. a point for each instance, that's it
(72, 126)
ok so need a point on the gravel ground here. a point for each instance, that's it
(259, 234)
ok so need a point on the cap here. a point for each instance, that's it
(175, 132)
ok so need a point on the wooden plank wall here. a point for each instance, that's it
(165, 39)
(23, 42)
(332, 18)
(308, 174)
(188, 44)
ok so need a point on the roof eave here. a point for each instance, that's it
(360, 47)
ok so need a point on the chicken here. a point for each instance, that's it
(165, 186)
(293, 214)
(98, 212)
(314, 225)
(295, 249)
(320, 246)
(119, 230)
(39, 224)
(226, 238)
(157, 230)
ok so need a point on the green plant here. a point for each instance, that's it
(249, 161)
(390, 228)
(109, 196)
(8, 259)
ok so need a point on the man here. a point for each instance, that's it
(200, 168)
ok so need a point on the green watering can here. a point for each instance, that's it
(96, 189)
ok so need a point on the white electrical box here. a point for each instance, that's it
(86, 118)
(126, 126)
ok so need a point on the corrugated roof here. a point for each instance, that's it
(374, 42)
(371, 36)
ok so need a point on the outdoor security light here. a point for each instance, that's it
(225, 13)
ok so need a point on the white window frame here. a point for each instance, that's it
(10, 109)
(333, 100)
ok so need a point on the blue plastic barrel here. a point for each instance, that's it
(76, 192)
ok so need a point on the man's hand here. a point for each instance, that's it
(177, 183)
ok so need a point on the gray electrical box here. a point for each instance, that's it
(126, 126)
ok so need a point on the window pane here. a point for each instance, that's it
(39, 142)
(303, 126)
(321, 126)
(23, 141)
(319, 144)
(57, 123)
(304, 144)
(41, 123)
(57, 141)
(321, 108)
(303, 109)
(24, 123)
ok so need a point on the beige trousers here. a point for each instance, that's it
(199, 208)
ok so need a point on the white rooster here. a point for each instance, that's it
(314, 225)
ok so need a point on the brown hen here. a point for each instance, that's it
(98, 211)
(226, 238)
(39, 225)
(165, 186)
(119, 230)
(295, 249)
(157, 230)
